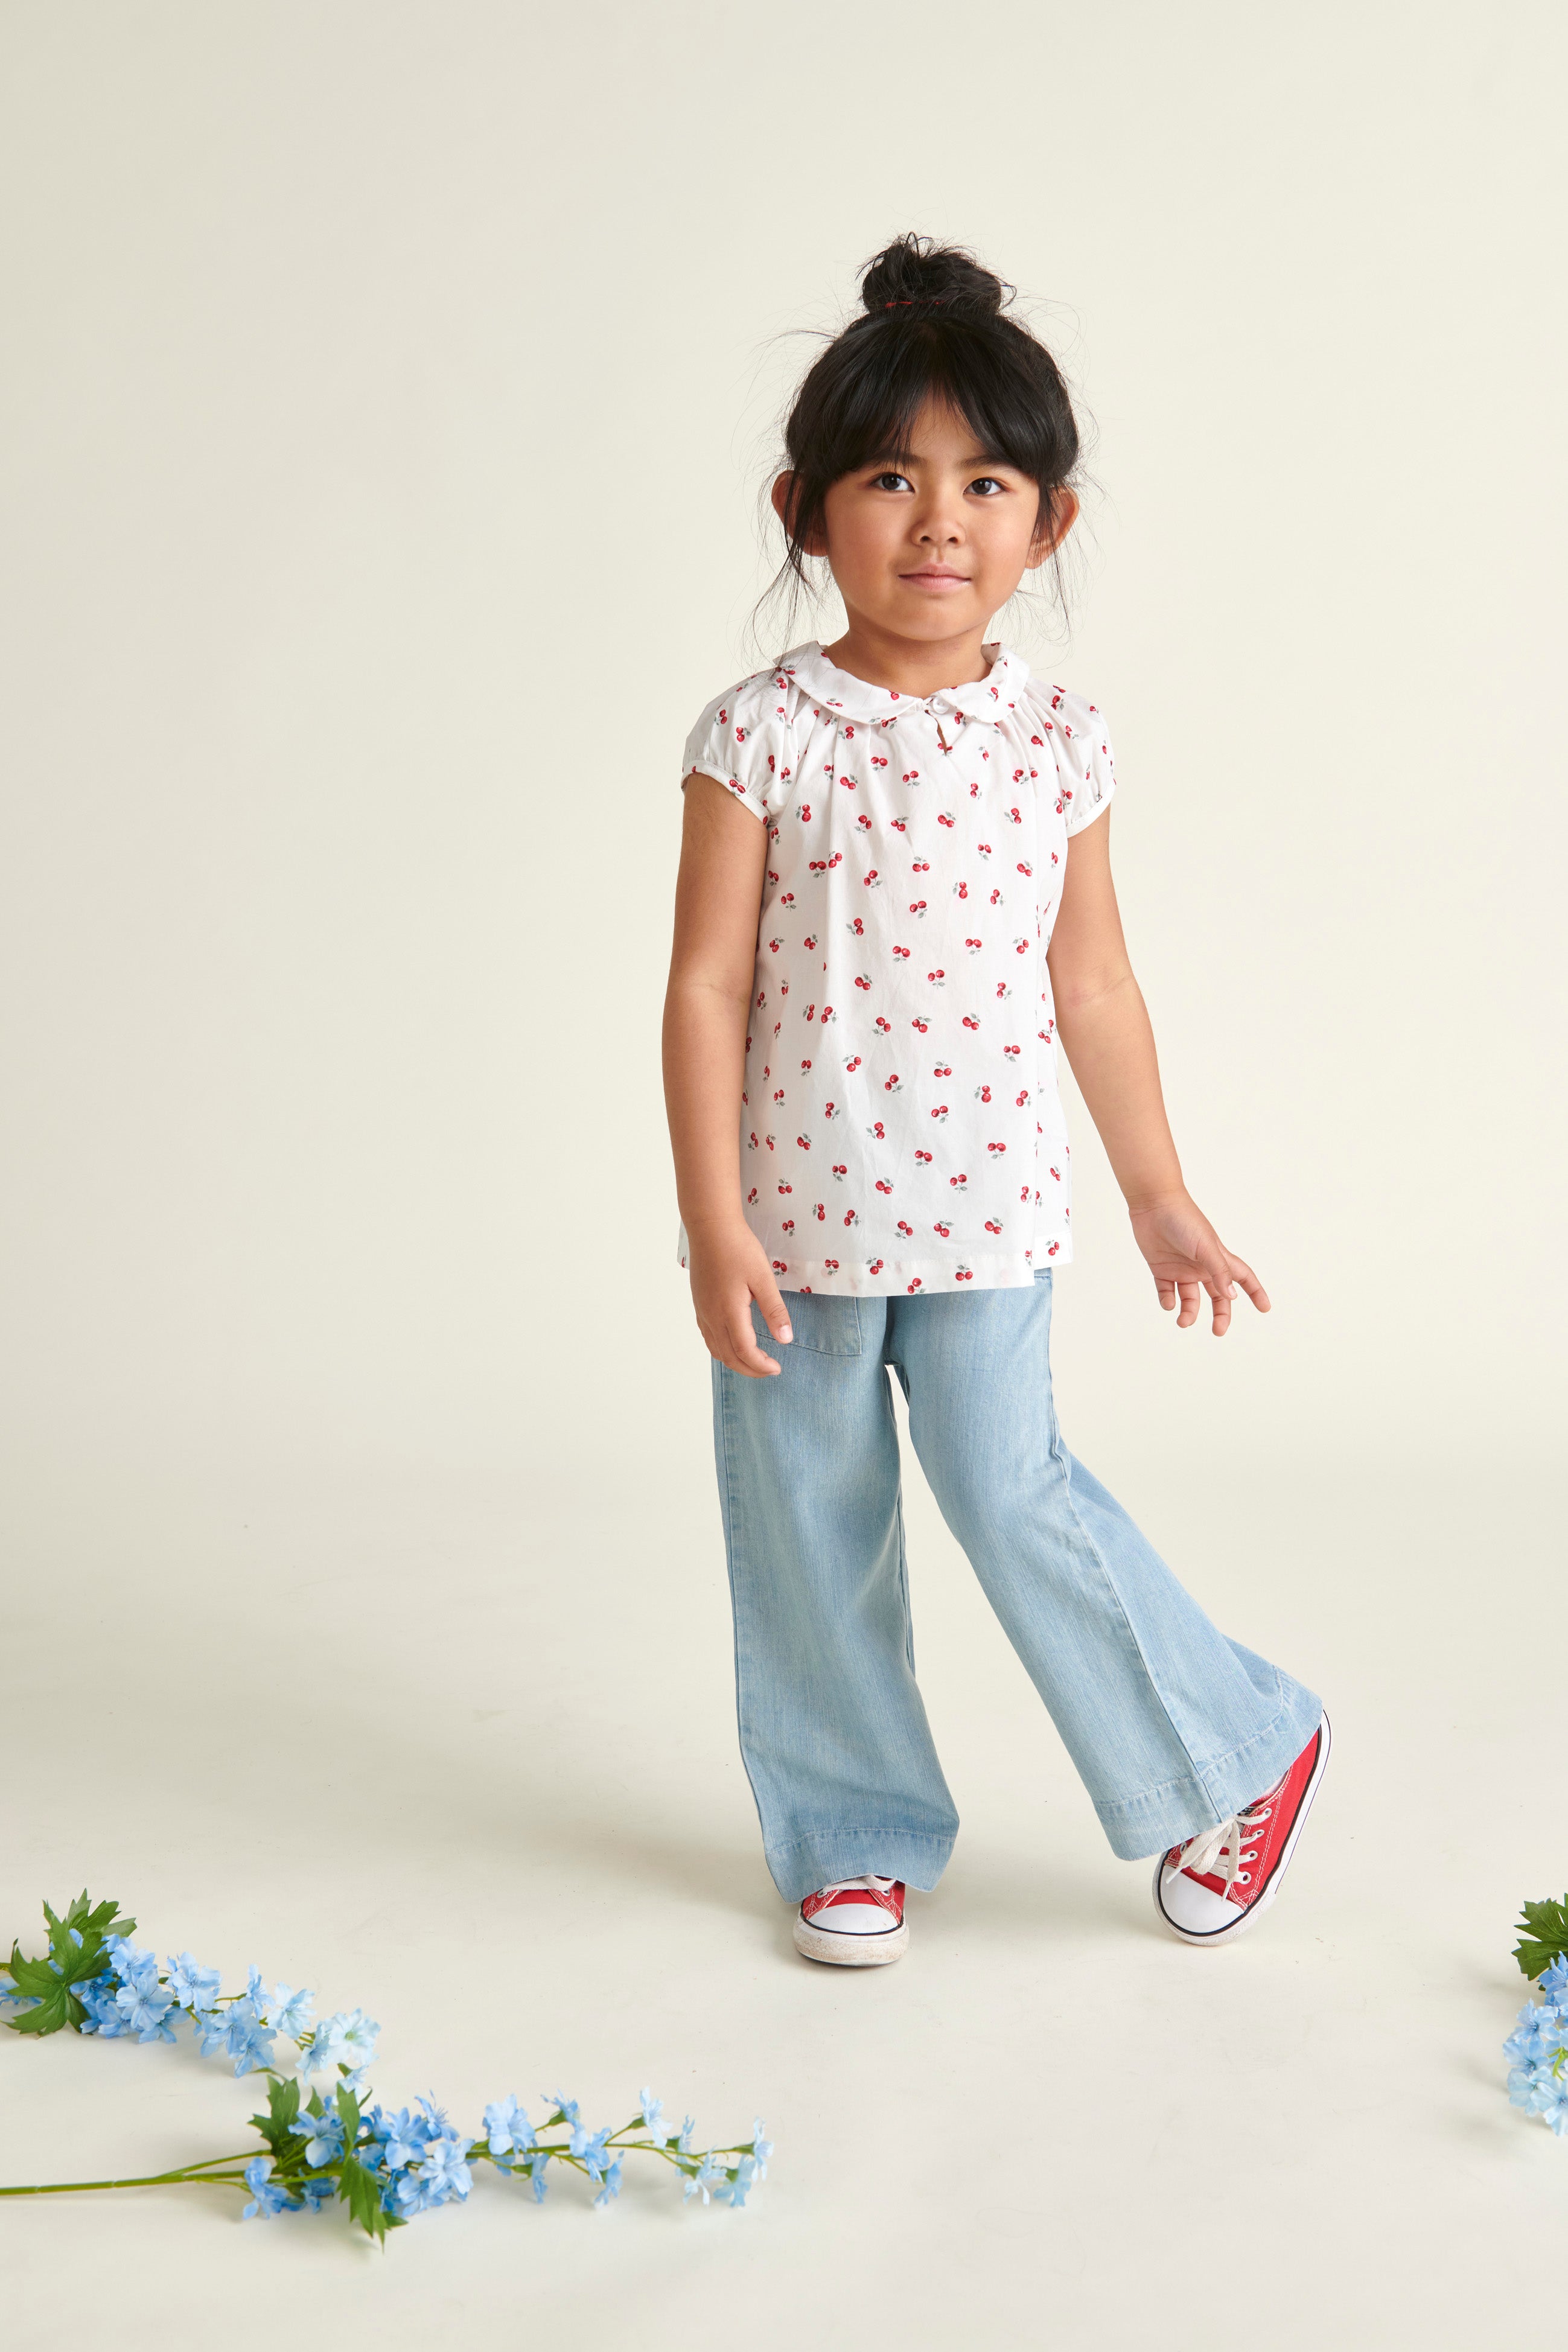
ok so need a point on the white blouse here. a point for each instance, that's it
(901, 1128)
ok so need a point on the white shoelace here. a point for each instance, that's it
(1220, 1851)
(869, 1886)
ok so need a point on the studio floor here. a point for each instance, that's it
(462, 1753)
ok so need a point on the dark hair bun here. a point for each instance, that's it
(915, 269)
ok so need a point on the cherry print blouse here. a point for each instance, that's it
(901, 1128)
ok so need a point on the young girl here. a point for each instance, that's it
(879, 934)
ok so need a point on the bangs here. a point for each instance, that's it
(877, 407)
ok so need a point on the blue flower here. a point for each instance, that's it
(445, 2170)
(99, 1996)
(563, 2110)
(288, 2011)
(652, 2112)
(194, 1987)
(612, 2187)
(590, 2149)
(400, 2138)
(1553, 1983)
(325, 2144)
(145, 2004)
(268, 2196)
(131, 1963)
(508, 2131)
(240, 2034)
(761, 2148)
(683, 2144)
(345, 2039)
(534, 2169)
(1542, 2033)
(733, 2193)
(318, 2191)
(701, 2181)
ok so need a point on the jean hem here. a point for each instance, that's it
(1141, 1826)
(917, 1857)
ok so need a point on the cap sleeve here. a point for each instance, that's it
(737, 741)
(1085, 766)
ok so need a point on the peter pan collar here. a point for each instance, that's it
(837, 690)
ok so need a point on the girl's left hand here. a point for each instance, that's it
(1185, 1254)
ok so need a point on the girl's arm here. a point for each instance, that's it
(718, 901)
(1103, 1026)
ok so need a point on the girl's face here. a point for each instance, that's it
(930, 546)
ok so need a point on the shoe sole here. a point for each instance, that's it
(1227, 1935)
(850, 1951)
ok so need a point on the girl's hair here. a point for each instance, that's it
(933, 326)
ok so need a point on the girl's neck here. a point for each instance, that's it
(907, 664)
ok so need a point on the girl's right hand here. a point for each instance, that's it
(730, 1268)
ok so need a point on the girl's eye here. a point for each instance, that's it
(891, 482)
(987, 482)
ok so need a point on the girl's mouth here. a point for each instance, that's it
(936, 575)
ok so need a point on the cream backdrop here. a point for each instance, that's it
(388, 391)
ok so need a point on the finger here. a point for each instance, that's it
(1189, 1296)
(1167, 1288)
(1221, 1298)
(735, 1346)
(775, 1313)
(1244, 1275)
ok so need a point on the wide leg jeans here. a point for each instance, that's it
(1171, 1725)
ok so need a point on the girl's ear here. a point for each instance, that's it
(815, 542)
(1059, 512)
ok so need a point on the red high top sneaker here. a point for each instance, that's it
(1210, 1889)
(857, 1922)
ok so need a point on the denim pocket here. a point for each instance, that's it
(825, 1327)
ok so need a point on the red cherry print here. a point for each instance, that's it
(959, 1183)
(837, 859)
(870, 879)
(914, 1285)
(939, 1113)
(854, 1065)
(941, 1070)
(1057, 1174)
(817, 866)
(937, 979)
(805, 1142)
(788, 1226)
(918, 1023)
(877, 759)
(923, 1158)
(961, 889)
(974, 946)
(840, 1171)
(1023, 1099)
(902, 953)
(750, 1196)
(1024, 866)
(862, 979)
(921, 865)
(982, 1094)
(1052, 1249)
(992, 1226)
(898, 824)
(917, 908)
(773, 946)
(996, 1149)
(780, 1267)
(882, 1185)
(943, 819)
(886, 1027)
(893, 1085)
(786, 1188)
(908, 1231)
(983, 848)
(819, 1212)
(808, 942)
(851, 1217)
(831, 1264)
(864, 823)
(1012, 1052)
(970, 1023)
(876, 1266)
(945, 1231)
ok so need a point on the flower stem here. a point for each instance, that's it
(185, 2172)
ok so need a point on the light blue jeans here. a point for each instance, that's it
(1172, 1726)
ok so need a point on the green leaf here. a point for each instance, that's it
(360, 2192)
(280, 2125)
(1543, 1937)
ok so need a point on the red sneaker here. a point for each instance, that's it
(1210, 1889)
(857, 1922)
